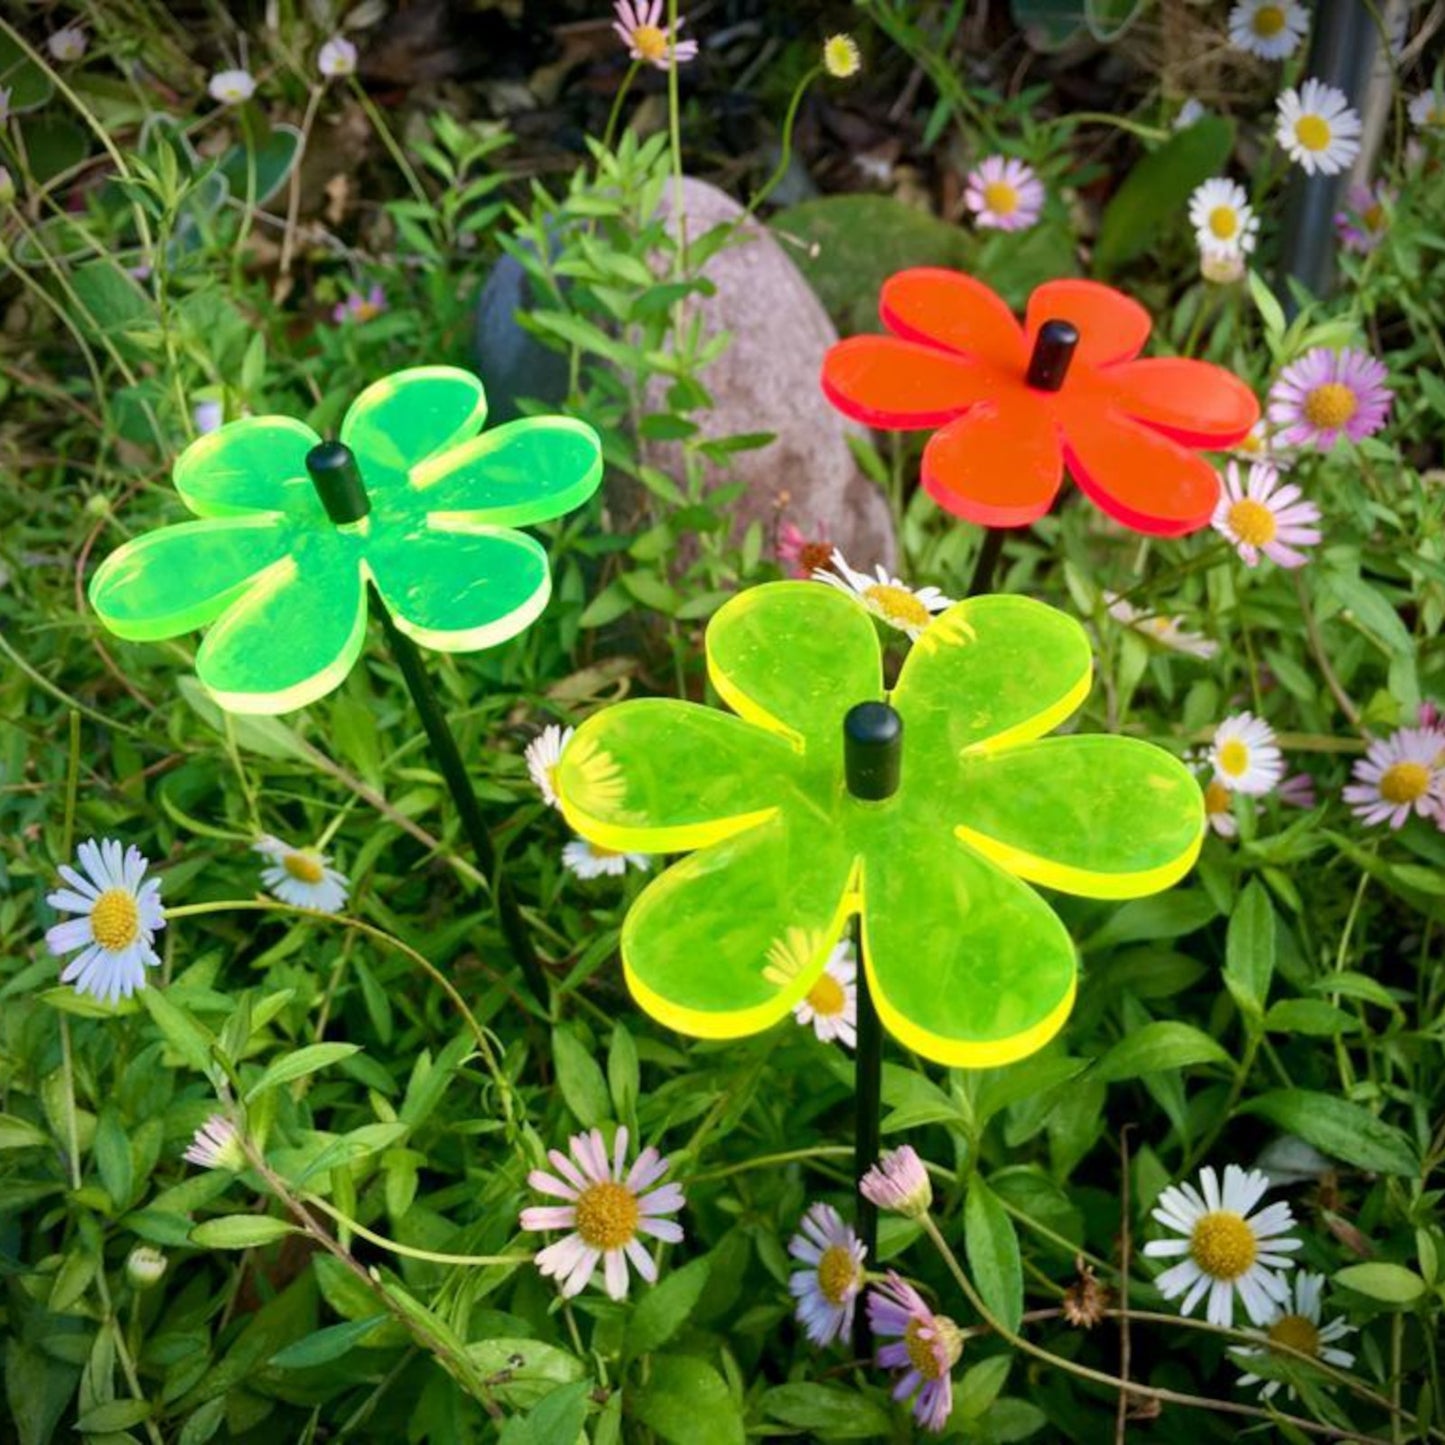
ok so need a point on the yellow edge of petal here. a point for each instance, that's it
(739, 1023)
(199, 452)
(490, 634)
(682, 838)
(1041, 722)
(1082, 882)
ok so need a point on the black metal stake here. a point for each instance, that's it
(339, 484)
(990, 550)
(872, 761)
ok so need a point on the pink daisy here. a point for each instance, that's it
(1399, 775)
(833, 1275)
(1298, 791)
(1004, 194)
(359, 307)
(1328, 392)
(898, 1182)
(641, 29)
(799, 555)
(926, 1348)
(1265, 516)
(1362, 224)
(606, 1211)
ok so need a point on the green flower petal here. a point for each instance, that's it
(660, 776)
(294, 636)
(257, 464)
(526, 471)
(728, 940)
(793, 657)
(409, 416)
(1101, 816)
(460, 591)
(968, 966)
(989, 672)
(183, 577)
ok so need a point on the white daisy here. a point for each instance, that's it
(216, 1145)
(908, 609)
(1168, 632)
(1300, 1329)
(1222, 219)
(336, 58)
(1227, 1250)
(1399, 775)
(831, 1005)
(826, 1289)
(607, 1211)
(1427, 110)
(1219, 809)
(588, 860)
(301, 877)
(119, 919)
(67, 43)
(543, 754)
(1270, 29)
(1318, 128)
(1245, 756)
(230, 87)
(1262, 517)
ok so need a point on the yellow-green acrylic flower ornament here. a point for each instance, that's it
(426, 511)
(967, 964)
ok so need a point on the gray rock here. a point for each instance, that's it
(512, 362)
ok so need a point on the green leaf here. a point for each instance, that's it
(1164, 1044)
(981, 1383)
(112, 1157)
(298, 1065)
(829, 1410)
(112, 1416)
(1249, 950)
(1372, 611)
(1164, 915)
(1270, 311)
(688, 1403)
(1389, 1283)
(17, 1134)
(72, 1280)
(1155, 194)
(240, 1231)
(188, 1038)
(580, 1078)
(665, 1308)
(1340, 1128)
(993, 1254)
(524, 1371)
(1310, 1016)
(267, 167)
(623, 1072)
(325, 1345)
(29, 86)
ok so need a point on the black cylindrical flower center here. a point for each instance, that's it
(872, 751)
(1053, 351)
(337, 479)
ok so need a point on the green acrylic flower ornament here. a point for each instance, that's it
(966, 963)
(418, 503)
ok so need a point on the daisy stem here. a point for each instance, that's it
(449, 759)
(616, 110)
(785, 149)
(405, 1249)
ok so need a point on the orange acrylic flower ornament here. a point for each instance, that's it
(1016, 404)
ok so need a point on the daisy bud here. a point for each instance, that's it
(145, 1266)
(841, 58)
(899, 1182)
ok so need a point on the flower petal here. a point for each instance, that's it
(179, 578)
(257, 464)
(292, 638)
(899, 385)
(724, 943)
(1192, 402)
(409, 416)
(526, 471)
(1112, 326)
(1000, 465)
(1100, 816)
(660, 776)
(793, 657)
(953, 310)
(988, 673)
(460, 591)
(967, 965)
(1138, 476)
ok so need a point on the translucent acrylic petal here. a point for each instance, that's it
(257, 464)
(409, 416)
(999, 465)
(1112, 326)
(954, 310)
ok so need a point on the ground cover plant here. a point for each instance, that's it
(481, 960)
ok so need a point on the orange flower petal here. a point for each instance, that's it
(1193, 402)
(999, 466)
(950, 309)
(1111, 326)
(886, 382)
(1139, 477)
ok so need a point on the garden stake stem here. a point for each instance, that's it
(339, 484)
(872, 759)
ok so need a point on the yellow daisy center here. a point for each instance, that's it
(1268, 21)
(607, 1215)
(1297, 1332)
(1001, 198)
(1216, 797)
(920, 1351)
(1405, 782)
(897, 605)
(1223, 1245)
(827, 997)
(1313, 132)
(1330, 405)
(1233, 758)
(304, 867)
(115, 920)
(1373, 217)
(837, 1274)
(366, 310)
(1252, 444)
(650, 42)
(1224, 222)
(1252, 522)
